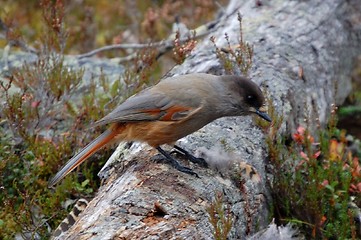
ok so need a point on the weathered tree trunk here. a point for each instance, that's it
(303, 51)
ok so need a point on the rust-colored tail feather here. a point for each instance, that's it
(84, 154)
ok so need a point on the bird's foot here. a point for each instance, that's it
(190, 157)
(167, 158)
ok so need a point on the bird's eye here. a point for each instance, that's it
(250, 99)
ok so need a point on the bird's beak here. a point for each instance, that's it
(262, 112)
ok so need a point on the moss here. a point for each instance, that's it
(235, 58)
(313, 179)
(220, 218)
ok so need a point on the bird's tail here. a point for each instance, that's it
(84, 154)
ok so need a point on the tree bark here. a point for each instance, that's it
(303, 56)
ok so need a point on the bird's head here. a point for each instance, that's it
(247, 97)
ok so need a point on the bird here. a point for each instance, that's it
(170, 110)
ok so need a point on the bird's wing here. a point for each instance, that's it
(151, 106)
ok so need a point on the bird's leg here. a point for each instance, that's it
(172, 161)
(190, 157)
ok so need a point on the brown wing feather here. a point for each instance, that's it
(146, 107)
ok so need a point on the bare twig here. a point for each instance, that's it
(123, 46)
(14, 41)
(164, 45)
